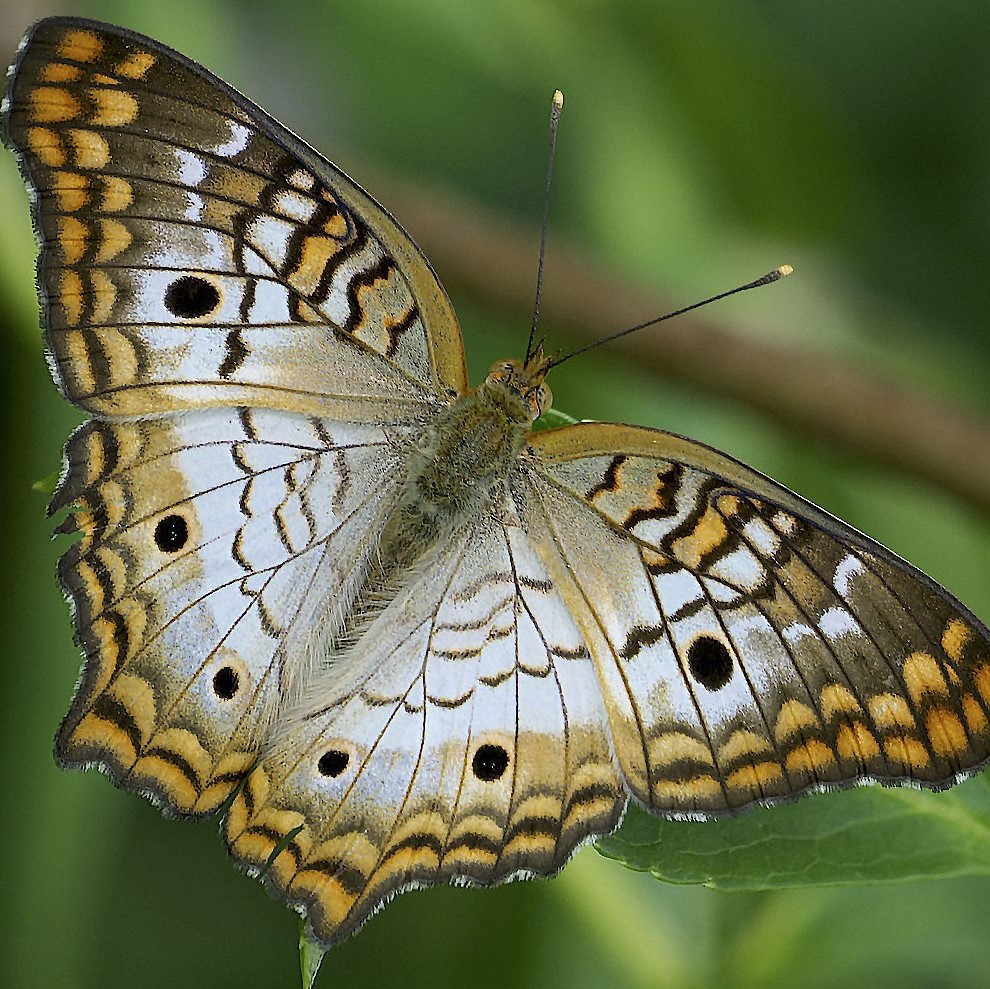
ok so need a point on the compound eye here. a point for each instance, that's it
(540, 399)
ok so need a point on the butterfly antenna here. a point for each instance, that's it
(771, 276)
(556, 106)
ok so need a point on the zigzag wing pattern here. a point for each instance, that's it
(479, 751)
(750, 647)
(194, 252)
(219, 549)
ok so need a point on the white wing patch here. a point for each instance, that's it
(746, 650)
(238, 141)
(221, 546)
(478, 751)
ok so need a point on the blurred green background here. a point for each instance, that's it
(702, 144)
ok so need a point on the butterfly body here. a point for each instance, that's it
(470, 448)
(421, 642)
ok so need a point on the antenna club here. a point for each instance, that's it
(771, 276)
(556, 106)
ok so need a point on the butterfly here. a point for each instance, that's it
(321, 581)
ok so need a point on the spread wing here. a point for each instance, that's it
(749, 646)
(194, 252)
(243, 322)
(219, 551)
(462, 738)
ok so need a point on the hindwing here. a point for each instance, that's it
(478, 751)
(219, 550)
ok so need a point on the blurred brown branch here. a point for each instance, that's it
(816, 393)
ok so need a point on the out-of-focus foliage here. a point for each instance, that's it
(702, 144)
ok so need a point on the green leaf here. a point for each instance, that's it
(310, 957)
(553, 418)
(865, 835)
(47, 485)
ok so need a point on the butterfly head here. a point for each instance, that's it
(524, 381)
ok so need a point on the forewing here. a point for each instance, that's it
(194, 252)
(219, 550)
(750, 647)
(464, 738)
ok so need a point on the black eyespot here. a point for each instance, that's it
(171, 533)
(333, 762)
(710, 662)
(190, 297)
(225, 683)
(489, 762)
